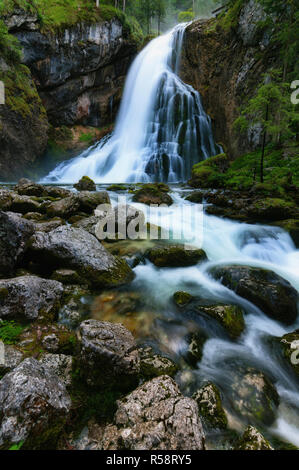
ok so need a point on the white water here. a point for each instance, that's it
(228, 242)
(161, 129)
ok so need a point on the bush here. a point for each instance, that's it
(185, 16)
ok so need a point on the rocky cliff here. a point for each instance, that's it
(224, 59)
(74, 75)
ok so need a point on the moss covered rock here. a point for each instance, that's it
(154, 365)
(175, 256)
(153, 193)
(182, 298)
(252, 439)
(38, 339)
(210, 407)
(230, 318)
(85, 184)
(209, 173)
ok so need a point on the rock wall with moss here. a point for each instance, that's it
(69, 70)
(224, 58)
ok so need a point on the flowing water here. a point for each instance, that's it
(161, 130)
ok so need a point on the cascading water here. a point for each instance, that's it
(161, 130)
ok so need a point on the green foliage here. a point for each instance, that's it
(185, 16)
(17, 446)
(272, 108)
(9, 46)
(88, 137)
(229, 19)
(10, 332)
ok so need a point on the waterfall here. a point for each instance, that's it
(161, 129)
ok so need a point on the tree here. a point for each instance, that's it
(160, 11)
(98, 3)
(271, 107)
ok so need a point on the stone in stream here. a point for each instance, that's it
(84, 201)
(271, 293)
(75, 249)
(290, 347)
(210, 408)
(153, 193)
(85, 184)
(182, 298)
(155, 416)
(230, 317)
(29, 298)
(154, 365)
(175, 256)
(253, 396)
(34, 405)
(15, 233)
(252, 439)
(108, 356)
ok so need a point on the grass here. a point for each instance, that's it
(10, 332)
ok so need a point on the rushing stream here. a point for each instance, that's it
(161, 131)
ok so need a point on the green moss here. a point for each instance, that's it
(182, 298)
(10, 331)
(229, 19)
(229, 316)
(210, 407)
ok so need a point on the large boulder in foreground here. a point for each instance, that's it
(74, 248)
(84, 201)
(108, 356)
(15, 233)
(34, 405)
(29, 298)
(271, 293)
(155, 416)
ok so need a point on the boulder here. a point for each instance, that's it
(6, 198)
(195, 341)
(88, 224)
(14, 236)
(75, 249)
(29, 188)
(271, 293)
(89, 201)
(48, 226)
(24, 204)
(252, 439)
(182, 298)
(230, 318)
(29, 298)
(60, 365)
(85, 184)
(64, 208)
(34, 405)
(10, 357)
(254, 397)
(154, 365)
(153, 193)
(108, 356)
(57, 192)
(210, 408)
(290, 347)
(84, 201)
(155, 416)
(175, 256)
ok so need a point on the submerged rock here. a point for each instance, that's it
(15, 233)
(175, 256)
(85, 184)
(252, 439)
(271, 293)
(155, 416)
(108, 356)
(210, 408)
(29, 298)
(34, 405)
(75, 249)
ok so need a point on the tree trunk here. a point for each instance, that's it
(98, 3)
(124, 6)
(263, 147)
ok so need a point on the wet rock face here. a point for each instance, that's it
(72, 69)
(290, 347)
(29, 298)
(14, 236)
(230, 318)
(156, 416)
(108, 356)
(76, 249)
(34, 405)
(271, 293)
